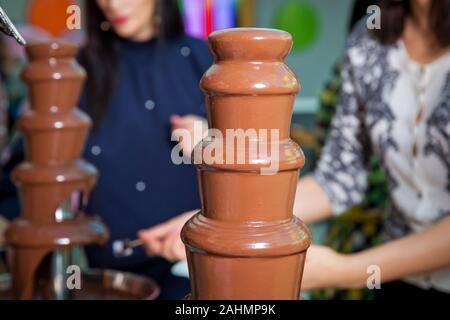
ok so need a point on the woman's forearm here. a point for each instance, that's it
(311, 202)
(421, 252)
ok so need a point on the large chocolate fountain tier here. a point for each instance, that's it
(245, 242)
(54, 183)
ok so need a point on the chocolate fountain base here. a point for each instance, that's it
(102, 285)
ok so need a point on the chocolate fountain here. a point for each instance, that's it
(245, 242)
(54, 184)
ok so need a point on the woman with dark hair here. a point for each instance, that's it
(395, 102)
(143, 75)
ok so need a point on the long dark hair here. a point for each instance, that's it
(100, 56)
(395, 12)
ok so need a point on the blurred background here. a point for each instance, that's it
(319, 29)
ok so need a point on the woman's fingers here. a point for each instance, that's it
(169, 246)
(166, 251)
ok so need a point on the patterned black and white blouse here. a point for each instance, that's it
(399, 109)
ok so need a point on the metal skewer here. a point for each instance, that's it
(8, 28)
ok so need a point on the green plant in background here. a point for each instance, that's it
(301, 20)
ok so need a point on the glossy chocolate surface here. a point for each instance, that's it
(245, 242)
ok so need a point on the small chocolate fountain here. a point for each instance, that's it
(245, 242)
(54, 184)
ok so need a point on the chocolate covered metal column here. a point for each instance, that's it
(53, 182)
(245, 243)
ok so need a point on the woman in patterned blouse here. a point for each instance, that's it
(395, 102)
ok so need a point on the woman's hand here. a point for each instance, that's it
(188, 130)
(325, 268)
(164, 239)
